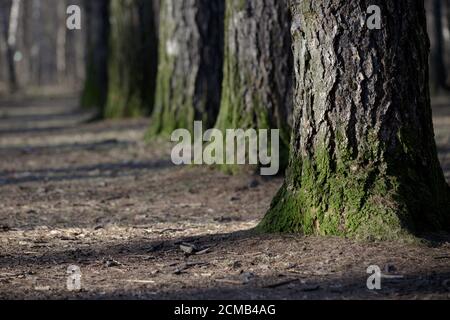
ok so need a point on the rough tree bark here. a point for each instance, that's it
(363, 157)
(133, 58)
(258, 72)
(435, 19)
(190, 65)
(97, 40)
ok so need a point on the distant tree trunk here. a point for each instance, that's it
(363, 159)
(190, 65)
(438, 77)
(36, 36)
(10, 12)
(2, 66)
(74, 51)
(447, 40)
(156, 16)
(24, 44)
(61, 41)
(97, 31)
(133, 58)
(258, 70)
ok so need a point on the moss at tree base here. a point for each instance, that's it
(356, 202)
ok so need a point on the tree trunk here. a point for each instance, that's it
(435, 18)
(258, 70)
(74, 51)
(190, 65)
(2, 66)
(97, 30)
(9, 13)
(363, 157)
(24, 44)
(133, 59)
(447, 40)
(61, 41)
(35, 41)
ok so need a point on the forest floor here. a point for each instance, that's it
(95, 196)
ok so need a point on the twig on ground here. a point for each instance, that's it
(281, 283)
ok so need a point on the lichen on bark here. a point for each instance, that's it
(363, 157)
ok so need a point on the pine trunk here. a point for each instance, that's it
(363, 157)
(190, 65)
(133, 58)
(258, 73)
(97, 31)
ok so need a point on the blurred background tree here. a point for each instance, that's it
(36, 47)
(190, 65)
(37, 51)
(97, 28)
(258, 68)
(133, 58)
(438, 30)
(9, 20)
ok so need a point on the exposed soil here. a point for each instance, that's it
(95, 196)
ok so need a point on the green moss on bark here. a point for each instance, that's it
(358, 198)
(363, 160)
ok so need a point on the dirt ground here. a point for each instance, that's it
(93, 195)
